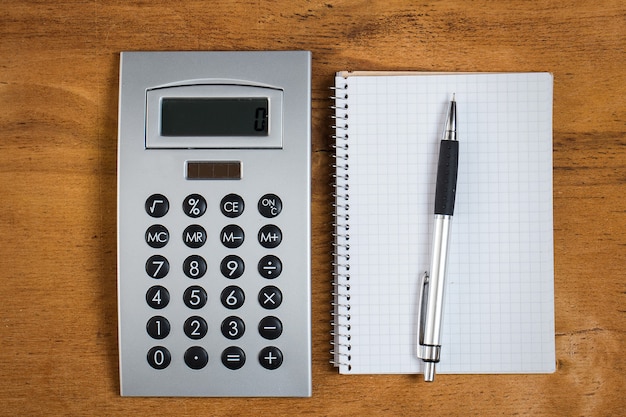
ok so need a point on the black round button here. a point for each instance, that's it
(194, 236)
(158, 327)
(271, 357)
(232, 205)
(194, 205)
(233, 327)
(232, 236)
(157, 266)
(232, 297)
(157, 236)
(232, 266)
(158, 297)
(233, 357)
(270, 205)
(270, 297)
(195, 327)
(194, 266)
(196, 357)
(270, 266)
(157, 205)
(270, 327)
(195, 297)
(270, 236)
(159, 357)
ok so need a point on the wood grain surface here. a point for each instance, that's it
(58, 127)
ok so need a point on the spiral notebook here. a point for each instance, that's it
(499, 303)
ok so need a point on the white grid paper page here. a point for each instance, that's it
(499, 305)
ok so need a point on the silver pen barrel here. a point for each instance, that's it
(430, 341)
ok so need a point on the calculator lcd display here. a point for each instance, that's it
(211, 117)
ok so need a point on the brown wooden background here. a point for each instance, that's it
(58, 114)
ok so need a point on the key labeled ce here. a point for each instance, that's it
(232, 205)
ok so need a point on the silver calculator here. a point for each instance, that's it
(214, 255)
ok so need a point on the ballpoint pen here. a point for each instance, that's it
(431, 292)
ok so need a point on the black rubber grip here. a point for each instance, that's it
(447, 169)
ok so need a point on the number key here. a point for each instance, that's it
(233, 327)
(157, 266)
(158, 327)
(232, 266)
(159, 357)
(195, 297)
(195, 327)
(194, 266)
(158, 297)
(232, 297)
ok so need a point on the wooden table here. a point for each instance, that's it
(58, 127)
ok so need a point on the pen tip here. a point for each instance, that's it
(453, 96)
(429, 371)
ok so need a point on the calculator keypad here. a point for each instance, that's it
(230, 295)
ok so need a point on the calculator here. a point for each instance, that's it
(214, 281)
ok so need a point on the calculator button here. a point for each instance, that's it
(270, 205)
(270, 327)
(194, 205)
(270, 236)
(159, 357)
(157, 266)
(270, 267)
(158, 297)
(194, 266)
(157, 205)
(157, 236)
(195, 297)
(233, 327)
(194, 236)
(232, 297)
(232, 205)
(233, 357)
(270, 297)
(271, 357)
(195, 327)
(196, 357)
(232, 236)
(232, 266)
(158, 327)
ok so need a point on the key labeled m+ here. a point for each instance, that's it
(270, 236)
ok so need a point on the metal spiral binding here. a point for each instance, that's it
(341, 336)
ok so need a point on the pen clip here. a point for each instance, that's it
(422, 304)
